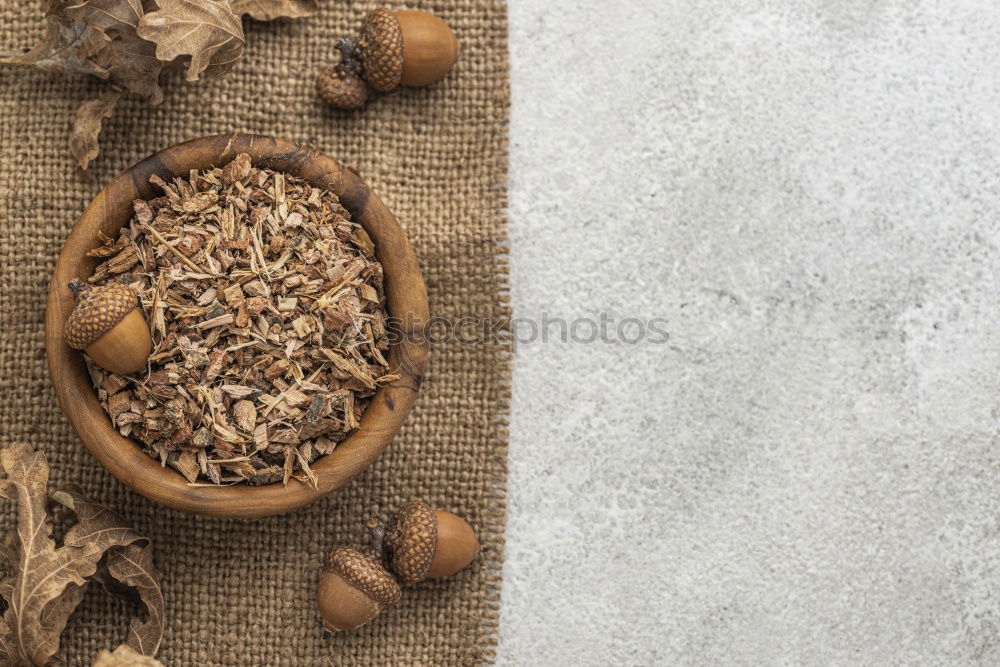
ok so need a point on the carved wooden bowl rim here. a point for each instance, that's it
(406, 297)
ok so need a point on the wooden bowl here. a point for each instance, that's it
(405, 292)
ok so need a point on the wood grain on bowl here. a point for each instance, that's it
(406, 303)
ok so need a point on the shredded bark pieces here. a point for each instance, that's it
(267, 311)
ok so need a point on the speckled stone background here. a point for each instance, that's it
(808, 471)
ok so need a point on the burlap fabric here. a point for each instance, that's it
(241, 592)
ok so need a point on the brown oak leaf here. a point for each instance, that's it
(107, 15)
(268, 10)
(128, 59)
(207, 32)
(133, 567)
(66, 47)
(49, 579)
(127, 569)
(131, 42)
(83, 138)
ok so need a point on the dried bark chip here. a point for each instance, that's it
(315, 408)
(277, 242)
(255, 306)
(190, 244)
(237, 170)
(234, 295)
(335, 319)
(187, 465)
(308, 431)
(113, 383)
(268, 475)
(143, 212)
(294, 397)
(283, 436)
(245, 415)
(216, 361)
(237, 390)
(257, 288)
(277, 369)
(260, 436)
(241, 319)
(119, 403)
(202, 438)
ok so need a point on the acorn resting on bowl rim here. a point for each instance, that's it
(108, 325)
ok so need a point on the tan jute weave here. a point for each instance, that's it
(241, 592)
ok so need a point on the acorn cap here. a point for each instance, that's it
(381, 45)
(97, 311)
(341, 89)
(414, 534)
(364, 573)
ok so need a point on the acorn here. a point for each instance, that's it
(354, 588)
(430, 48)
(408, 47)
(380, 46)
(422, 542)
(109, 327)
(342, 88)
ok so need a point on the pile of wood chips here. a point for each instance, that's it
(269, 326)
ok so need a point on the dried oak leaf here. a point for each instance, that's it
(106, 15)
(49, 579)
(130, 42)
(127, 58)
(127, 569)
(83, 142)
(206, 31)
(124, 656)
(66, 47)
(268, 10)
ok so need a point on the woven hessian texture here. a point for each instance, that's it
(241, 592)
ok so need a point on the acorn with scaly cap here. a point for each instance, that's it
(408, 47)
(108, 325)
(354, 588)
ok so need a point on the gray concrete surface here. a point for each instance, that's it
(808, 471)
